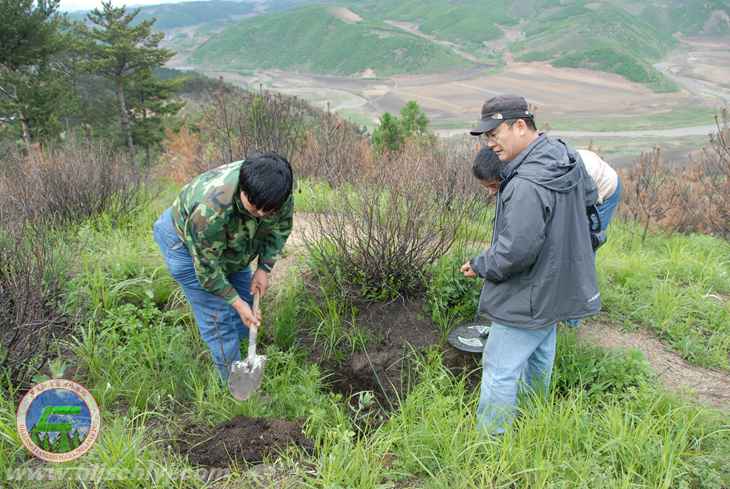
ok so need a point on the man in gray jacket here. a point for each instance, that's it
(540, 266)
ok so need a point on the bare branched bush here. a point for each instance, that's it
(334, 151)
(715, 163)
(184, 157)
(320, 144)
(652, 190)
(67, 183)
(239, 123)
(385, 229)
(30, 290)
(690, 198)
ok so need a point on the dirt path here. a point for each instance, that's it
(678, 132)
(706, 385)
(413, 29)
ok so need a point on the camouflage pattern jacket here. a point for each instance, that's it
(221, 236)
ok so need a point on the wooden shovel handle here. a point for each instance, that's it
(256, 302)
(253, 330)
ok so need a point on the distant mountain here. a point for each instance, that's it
(419, 36)
(176, 15)
(601, 37)
(186, 14)
(323, 39)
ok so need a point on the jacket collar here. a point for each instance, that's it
(510, 169)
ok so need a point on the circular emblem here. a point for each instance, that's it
(58, 420)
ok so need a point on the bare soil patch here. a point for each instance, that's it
(244, 440)
(396, 333)
(345, 15)
(708, 386)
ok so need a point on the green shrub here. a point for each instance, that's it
(451, 297)
(614, 61)
(599, 372)
(138, 355)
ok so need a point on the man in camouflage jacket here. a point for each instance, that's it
(220, 223)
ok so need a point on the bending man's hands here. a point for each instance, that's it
(260, 282)
(246, 314)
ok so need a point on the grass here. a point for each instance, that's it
(359, 119)
(667, 285)
(606, 422)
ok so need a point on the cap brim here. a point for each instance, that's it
(485, 125)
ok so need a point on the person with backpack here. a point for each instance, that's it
(540, 267)
(608, 185)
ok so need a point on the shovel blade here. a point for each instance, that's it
(245, 377)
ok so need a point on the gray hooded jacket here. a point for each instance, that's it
(540, 268)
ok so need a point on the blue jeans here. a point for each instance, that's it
(219, 324)
(608, 207)
(513, 357)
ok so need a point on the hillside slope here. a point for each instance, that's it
(615, 36)
(599, 37)
(318, 39)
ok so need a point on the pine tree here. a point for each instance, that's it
(64, 443)
(151, 103)
(122, 50)
(76, 440)
(35, 81)
(388, 136)
(413, 120)
(46, 443)
(36, 438)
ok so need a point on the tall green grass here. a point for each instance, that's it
(677, 286)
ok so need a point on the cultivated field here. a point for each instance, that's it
(583, 105)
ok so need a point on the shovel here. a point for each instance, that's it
(245, 376)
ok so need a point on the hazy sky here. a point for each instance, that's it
(69, 5)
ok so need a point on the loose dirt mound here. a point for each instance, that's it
(706, 385)
(245, 440)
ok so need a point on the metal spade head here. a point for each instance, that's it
(245, 377)
(469, 337)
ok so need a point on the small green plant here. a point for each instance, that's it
(451, 297)
(287, 313)
(330, 317)
(601, 373)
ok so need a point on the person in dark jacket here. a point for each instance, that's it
(540, 266)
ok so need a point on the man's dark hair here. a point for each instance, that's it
(487, 165)
(529, 122)
(267, 181)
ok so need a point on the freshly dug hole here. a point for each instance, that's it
(244, 439)
(398, 333)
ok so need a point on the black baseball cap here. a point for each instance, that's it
(498, 109)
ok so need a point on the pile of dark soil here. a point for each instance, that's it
(244, 440)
